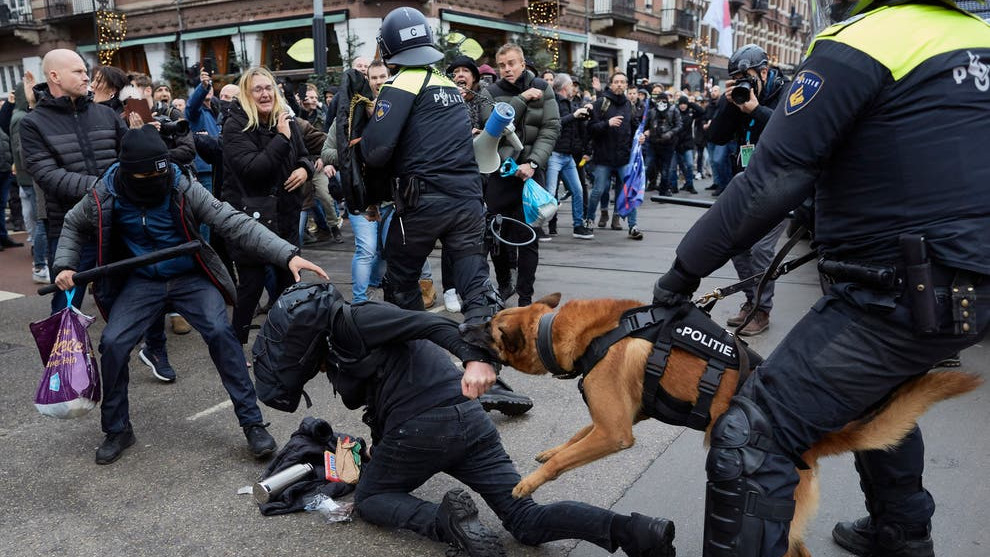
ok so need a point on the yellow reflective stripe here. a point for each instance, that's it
(410, 80)
(903, 37)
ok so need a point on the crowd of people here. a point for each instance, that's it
(109, 165)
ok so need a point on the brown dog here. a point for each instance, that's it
(614, 390)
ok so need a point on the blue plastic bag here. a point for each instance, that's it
(538, 205)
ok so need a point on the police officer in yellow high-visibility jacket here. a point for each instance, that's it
(886, 124)
(421, 131)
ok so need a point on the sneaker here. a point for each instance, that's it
(179, 324)
(501, 397)
(857, 537)
(583, 233)
(552, 229)
(451, 302)
(541, 235)
(759, 323)
(635, 234)
(40, 275)
(741, 316)
(261, 442)
(616, 222)
(113, 446)
(458, 525)
(648, 537)
(697, 176)
(335, 233)
(158, 362)
(6, 242)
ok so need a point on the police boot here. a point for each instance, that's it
(742, 519)
(501, 397)
(860, 537)
(644, 536)
(458, 525)
(428, 292)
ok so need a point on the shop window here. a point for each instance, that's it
(277, 43)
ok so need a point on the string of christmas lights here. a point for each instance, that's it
(699, 50)
(112, 28)
(545, 18)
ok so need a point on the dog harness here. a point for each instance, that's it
(686, 327)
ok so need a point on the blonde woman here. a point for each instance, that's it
(265, 165)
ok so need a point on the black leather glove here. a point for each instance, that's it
(675, 287)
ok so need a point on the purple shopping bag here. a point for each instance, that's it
(70, 386)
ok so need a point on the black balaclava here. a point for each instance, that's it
(142, 151)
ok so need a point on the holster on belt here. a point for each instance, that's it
(919, 285)
(405, 193)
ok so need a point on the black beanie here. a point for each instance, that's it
(142, 151)
(465, 62)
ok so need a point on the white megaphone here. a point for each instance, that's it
(486, 143)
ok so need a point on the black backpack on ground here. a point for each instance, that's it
(293, 342)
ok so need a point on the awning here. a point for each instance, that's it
(290, 23)
(465, 19)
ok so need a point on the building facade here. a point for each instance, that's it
(662, 41)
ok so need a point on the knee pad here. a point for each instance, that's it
(737, 506)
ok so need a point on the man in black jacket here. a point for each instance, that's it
(664, 129)
(68, 142)
(684, 150)
(742, 118)
(425, 420)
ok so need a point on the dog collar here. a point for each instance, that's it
(544, 348)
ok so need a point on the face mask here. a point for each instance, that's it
(145, 192)
(224, 105)
(662, 105)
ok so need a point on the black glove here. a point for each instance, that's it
(674, 287)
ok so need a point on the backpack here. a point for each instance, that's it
(293, 342)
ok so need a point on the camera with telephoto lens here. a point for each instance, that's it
(171, 128)
(740, 91)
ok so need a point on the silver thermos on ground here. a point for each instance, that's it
(273, 485)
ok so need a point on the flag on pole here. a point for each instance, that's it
(634, 182)
(719, 18)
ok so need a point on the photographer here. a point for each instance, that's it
(742, 113)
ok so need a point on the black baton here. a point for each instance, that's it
(89, 275)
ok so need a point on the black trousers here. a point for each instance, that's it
(250, 285)
(504, 197)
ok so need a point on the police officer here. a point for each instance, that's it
(859, 128)
(421, 130)
(741, 115)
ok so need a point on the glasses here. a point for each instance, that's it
(263, 89)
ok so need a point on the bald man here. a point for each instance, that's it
(68, 142)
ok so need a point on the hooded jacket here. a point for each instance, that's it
(66, 147)
(189, 205)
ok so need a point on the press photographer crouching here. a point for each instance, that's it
(140, 205)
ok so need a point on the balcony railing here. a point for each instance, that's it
(678, 22)
(13, 18)
(622, 8)
(68, 8)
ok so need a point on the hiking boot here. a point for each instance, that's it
(616, 223)
(179, 324)
(741, 316)
(635, 234)
(113, 446)
(261, 442)
(501, 397)
(857, 537)
(648, 537)
(603, 220)
(584, 233)
(458, 525)
(157, 360)
(451, 302)
(759, 323)
(429, 293)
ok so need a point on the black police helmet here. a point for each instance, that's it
(406, 39)
(748, 56)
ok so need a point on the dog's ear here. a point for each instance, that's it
(550, 299)
(513, 340)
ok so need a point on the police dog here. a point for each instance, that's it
(614, 387)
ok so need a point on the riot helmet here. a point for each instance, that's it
(406, 39)
(826, 12)
(746, 57)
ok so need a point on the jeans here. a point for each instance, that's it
(720, 157)
(843, 358)
(462, 442)
(756, 260)
(563, 165)
(140, 302)
(665, 163)
(685, 161)
(603, 175)
(367, 265)
(87, 260)
(28, 212)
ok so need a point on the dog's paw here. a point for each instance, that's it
(545, 455)
(525, 487)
